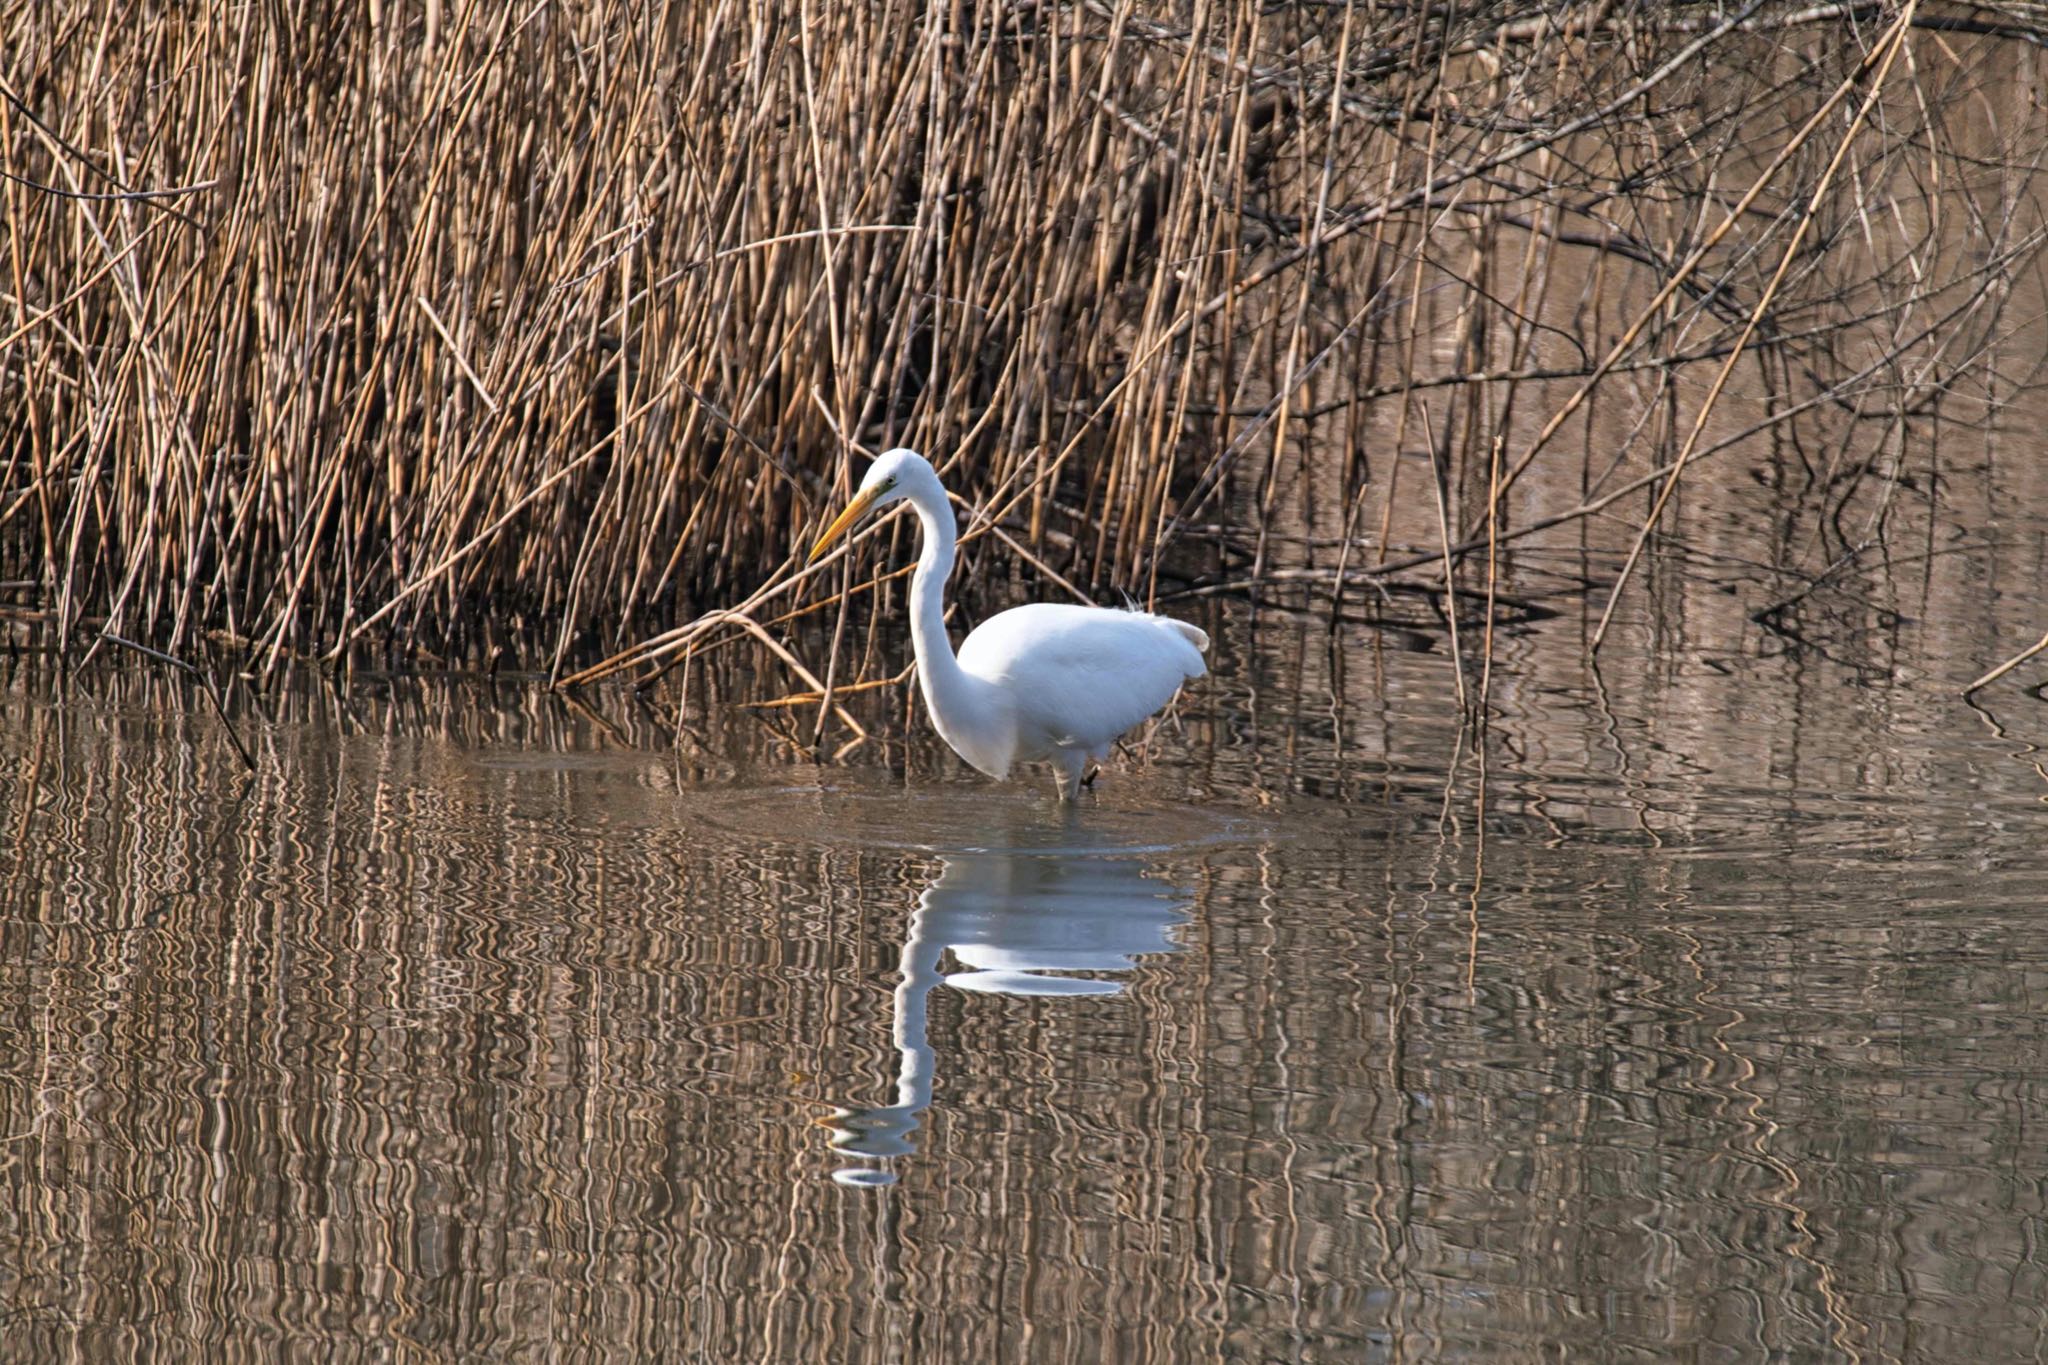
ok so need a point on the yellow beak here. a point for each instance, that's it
(861, 502)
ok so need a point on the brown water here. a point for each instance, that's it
(1699, 1012)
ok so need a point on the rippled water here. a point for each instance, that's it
(1696, 1012)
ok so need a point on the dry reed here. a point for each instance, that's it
(526, 331)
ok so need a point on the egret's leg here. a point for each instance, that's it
(1066, 772)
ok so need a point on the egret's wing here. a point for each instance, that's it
(1081, 676)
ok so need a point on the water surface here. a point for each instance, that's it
(1694, 1011)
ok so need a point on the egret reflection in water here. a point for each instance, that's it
(1026, 920)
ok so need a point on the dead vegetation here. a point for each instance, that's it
(549, 333)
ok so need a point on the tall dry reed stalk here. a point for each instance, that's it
(458, 328)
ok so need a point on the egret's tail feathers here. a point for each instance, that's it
(1194, 665)
(1194, 635)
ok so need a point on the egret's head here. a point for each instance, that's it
(895, 476)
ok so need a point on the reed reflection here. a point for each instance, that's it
(1064, 913)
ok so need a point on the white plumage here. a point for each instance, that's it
(1048, 681)
(1078, 677)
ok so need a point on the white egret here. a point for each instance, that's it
(1045, 681)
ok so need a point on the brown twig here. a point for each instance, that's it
(2008, 666)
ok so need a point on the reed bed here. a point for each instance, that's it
(549, 333)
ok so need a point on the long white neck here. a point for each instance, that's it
(947, 689)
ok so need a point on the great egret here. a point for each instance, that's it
(1045, 681)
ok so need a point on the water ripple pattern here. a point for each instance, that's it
(477, 1027)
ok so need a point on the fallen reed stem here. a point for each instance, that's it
(2008, 666)
(206, 685)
